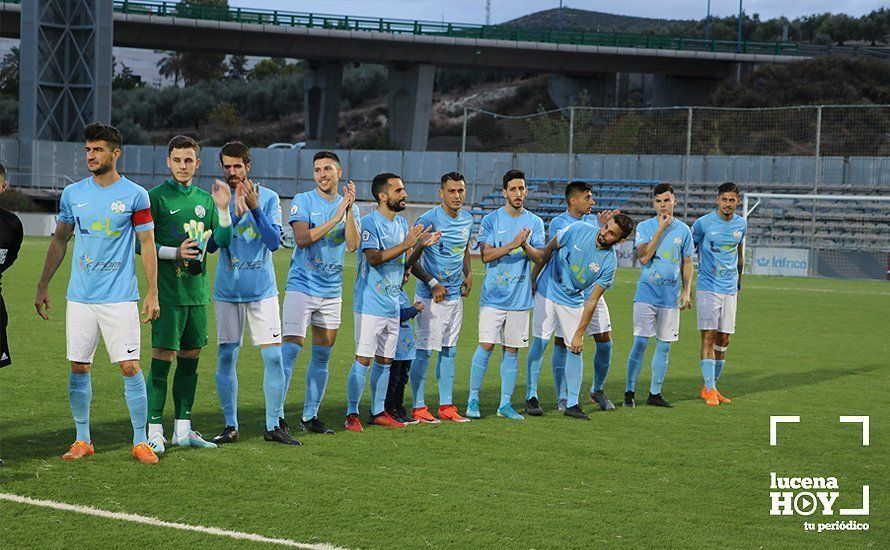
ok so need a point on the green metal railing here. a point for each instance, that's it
(456, 30)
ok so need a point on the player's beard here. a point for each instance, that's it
(517, 203)
(102, 169)
(397, 205)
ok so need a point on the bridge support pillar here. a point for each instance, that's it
(322, 83)
(670, 91)
(410, 102)
(598, 91)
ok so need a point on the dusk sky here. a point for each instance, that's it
(473, 11)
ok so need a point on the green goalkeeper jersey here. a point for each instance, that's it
(172, 206)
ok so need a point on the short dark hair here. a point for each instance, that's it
(104, 132)
(576, 187)
(513, 175)
(326, 155)
(183, 142)
(381, 182)
(663, 188)
(728, 187)
(235, 149)
(625, 224)
(451, 176)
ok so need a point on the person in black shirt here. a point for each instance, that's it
(10, 242)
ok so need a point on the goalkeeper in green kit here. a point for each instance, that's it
(186, 219)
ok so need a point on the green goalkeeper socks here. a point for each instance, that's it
(157, 390)
(185, 383)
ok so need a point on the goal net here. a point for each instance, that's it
(842, 236)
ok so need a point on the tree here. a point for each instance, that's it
(126, 80)
(9, 72)
(237, 67)
(227, 116)
(171, 65)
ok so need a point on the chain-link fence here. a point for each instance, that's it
(807, 131)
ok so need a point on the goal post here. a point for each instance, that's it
(841, 236)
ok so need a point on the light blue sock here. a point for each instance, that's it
(707, 373)
(477, 371)
(718, 368)
(316, 380)
(602, 361)
(273, 384)
(559, 370)
(417, 375)
(635, 361)
(80, 395)
(533, 366)
(137, 402)
(659, 365)
(574, 376)
(227, 382)
(355, 385)
(289, 353)
(509, 372)
(445, 368)
(379, 383)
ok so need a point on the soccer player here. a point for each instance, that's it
(401, 364)
(326, 225)
(578, 258)
(719, 237)
(664, 248)
(445, 277)
(106, 212)
(11, 234)
(579, 201)
(386, 240)
(511, 239)
(245, 290)
(177, 205)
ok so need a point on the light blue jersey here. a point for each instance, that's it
(245, 272)
(660, 281)
(105, 221)
(507, 285)
(718, 242)
(576, 266)
(317, 270)
(445, 259)
(564, 220)
(377, 288)
(405, 349)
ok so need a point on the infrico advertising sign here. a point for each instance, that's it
(789, 262)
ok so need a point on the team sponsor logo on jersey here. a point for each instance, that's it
(319, 265)
(504, 279)
(200, 211)
(388, 288)
(238, 265)
(118, 207)
(86, 263)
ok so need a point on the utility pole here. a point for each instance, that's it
(488, 12)
(741, 16)
(560, 14)
(708, 22)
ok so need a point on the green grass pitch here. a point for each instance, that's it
(693, 476)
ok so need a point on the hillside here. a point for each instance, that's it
(596, 21)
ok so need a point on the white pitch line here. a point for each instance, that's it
(145, 520)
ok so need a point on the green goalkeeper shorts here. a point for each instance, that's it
(180, 327)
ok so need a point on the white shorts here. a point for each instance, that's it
(302, 310)
(661, 322)
(438, 325)
(376, 335)
(551, 318)
(498, 326)
(118, 322)
(262, 318)
(601, 321)
(716, 311)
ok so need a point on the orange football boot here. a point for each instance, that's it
(710, 397)
(386, 420)
(449, 412)
(79, 449)
(145, 454)
(721, 398)
(353, 424)
(424, 416)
